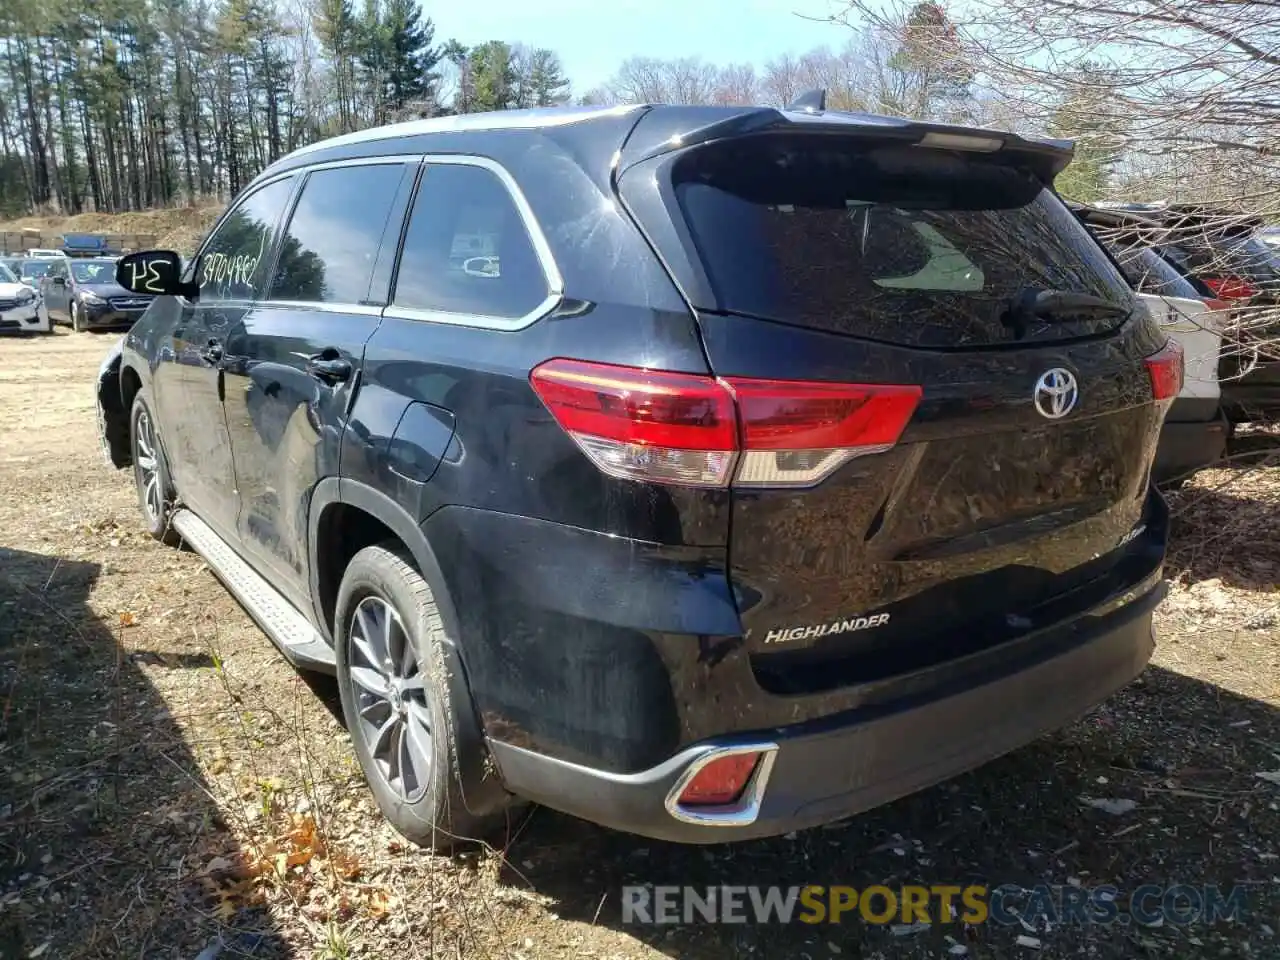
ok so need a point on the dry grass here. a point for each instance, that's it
(168, 782)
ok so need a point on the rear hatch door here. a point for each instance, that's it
(1017, 488)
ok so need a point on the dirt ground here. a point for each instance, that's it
(170, 788)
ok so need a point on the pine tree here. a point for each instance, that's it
(412, 60)
(547, 84)
(1085, 113)
(338, 33)
(493, 76)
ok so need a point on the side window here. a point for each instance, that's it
(328, 251)
(233, 261)
(467, 250)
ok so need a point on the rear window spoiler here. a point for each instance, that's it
(658, 132)
(1136, 225)
(1188, 217)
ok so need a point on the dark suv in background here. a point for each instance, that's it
(704, 472)
(83, 293)
(1221, 252)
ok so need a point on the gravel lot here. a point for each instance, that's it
(168, 784)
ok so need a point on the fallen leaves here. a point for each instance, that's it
(230, 884)
(299, 863)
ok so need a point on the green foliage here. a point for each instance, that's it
(1086, 114)
(493, 76)
(544, 83)
(412, 60)
(123, 104)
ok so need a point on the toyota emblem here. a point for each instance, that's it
(1056, 393)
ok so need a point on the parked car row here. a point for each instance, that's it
(79, 291)
(1205, 273)
(21, 308)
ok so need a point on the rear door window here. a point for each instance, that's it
(903, 245)
(340, 222)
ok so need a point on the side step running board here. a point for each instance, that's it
(280, 620)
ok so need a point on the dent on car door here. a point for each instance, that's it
(293, 361)
(190, 385)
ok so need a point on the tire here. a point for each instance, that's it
(423, 799)
(155, 502)
(76, 323)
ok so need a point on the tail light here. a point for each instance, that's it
(1216, 316)
(703, 431)
(1165, 368)
(1231, 288)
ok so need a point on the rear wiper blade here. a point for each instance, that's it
(1049, 305)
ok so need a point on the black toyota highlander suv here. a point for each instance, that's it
(704, 472)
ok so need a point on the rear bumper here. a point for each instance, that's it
(1251, 402)
(845, 764)
(1255, 396)
(1186, 446)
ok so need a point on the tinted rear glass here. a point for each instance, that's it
(36, 268)
(94, 271)
(1148, 272)
(904, 245)
(1233, 254)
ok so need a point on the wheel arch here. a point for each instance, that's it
(118, 384)
(339, 506)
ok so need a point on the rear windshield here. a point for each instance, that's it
(899, 244)
(36, 268)
(1235, 254)
(1148, 272)
(94, 271)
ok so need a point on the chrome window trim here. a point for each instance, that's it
(746, 809)
(370, 161)
(409, 161)
(324, 306)
(541, 249)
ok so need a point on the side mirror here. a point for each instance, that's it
(154, 273)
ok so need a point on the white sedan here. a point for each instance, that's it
(22, 309)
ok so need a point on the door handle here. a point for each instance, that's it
(212, 353)
(328, 368)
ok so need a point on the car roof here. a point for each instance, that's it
(636, 132)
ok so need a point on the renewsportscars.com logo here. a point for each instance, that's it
(973, 904)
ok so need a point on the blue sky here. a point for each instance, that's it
(592, 38)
